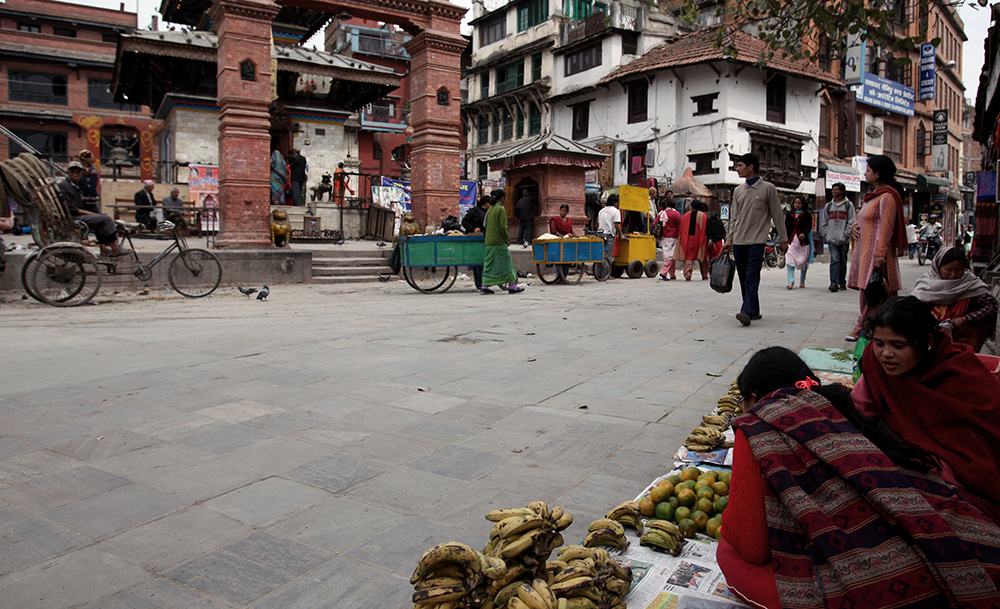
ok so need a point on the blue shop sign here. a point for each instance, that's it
(886, 94)
(928, 71)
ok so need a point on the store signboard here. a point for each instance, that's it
(986, 188)
(851, 181)
(886, 94)
(928, 71)
(939, 141)
(854, 59)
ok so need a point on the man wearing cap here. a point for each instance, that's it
(145, 203)
(173, 207)
(90, 183)
(101, 225)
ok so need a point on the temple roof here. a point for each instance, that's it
(194, 13)
(551, 144)
(151, 64)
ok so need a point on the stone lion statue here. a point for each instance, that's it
(281, 229)
(325, 186)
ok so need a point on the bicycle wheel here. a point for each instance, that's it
(195, 273)
(26, 275)
(601, 271)
(429, 279)
(64, 277)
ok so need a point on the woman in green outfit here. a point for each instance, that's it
(498, 268)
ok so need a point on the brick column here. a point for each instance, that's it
(244, 92)
(435, 98)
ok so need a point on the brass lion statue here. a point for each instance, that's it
(281, 229)
(409, 225)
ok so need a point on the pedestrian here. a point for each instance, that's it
(835, 223)
(90, 183)
(144, 203)
(525, 211)
(669, 223)
(798, 225)
(609, 225)
(340, 183)
(297, 173)
(473, 223)
(692, 240)
(716, 232)
(878, 233)
(755, 208)
(561, 225)
(498, 267)
(279, 178)
(102, 225)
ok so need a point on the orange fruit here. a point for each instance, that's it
(700, 519)
(673, 501)
(705, 492)
(725, 476)
(711, 473)
(705, 505)
(681, 513)
(690, 473)
(720, 504)
(702, 483)
(647, 506)
(664, 511)
(683, 485)
(686, 497)
(674, 479)
(713, 526)
(687, 528)
(721, 488)
(660, 493)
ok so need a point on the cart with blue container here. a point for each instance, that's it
(430, 262)
(566, 259)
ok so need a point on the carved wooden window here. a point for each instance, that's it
(776, 99)
(581, 121)
(704, 163)
(705, 104)
(638, 101)
(493, 30)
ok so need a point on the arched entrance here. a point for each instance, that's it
(244, 81)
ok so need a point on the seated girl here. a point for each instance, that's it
(830, 509)
(560, 225)
(958, 298)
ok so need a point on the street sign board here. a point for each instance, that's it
(939, 141)
(928, 71)
(854, 60)
(886, 94)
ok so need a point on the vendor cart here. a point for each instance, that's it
(430, 262)
(637, 254)
(566, 259)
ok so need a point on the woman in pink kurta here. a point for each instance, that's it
(878, 233)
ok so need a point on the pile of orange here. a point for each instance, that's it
(693, 500)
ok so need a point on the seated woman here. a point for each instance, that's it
(830, 509)
(560, 225)
(959, 298)
(935, 394)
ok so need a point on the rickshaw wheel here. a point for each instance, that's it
(634, 270)
(617, 271)
(548, 273)
(64, 276)
(428, 279)
(573, 273)
(651, 268)
(601, 271)
(26, 272)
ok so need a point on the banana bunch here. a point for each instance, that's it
(526, 537)
(606, 532)
(705, 439)
(588, 578)
(715, 420)
(452, 575)
(524, 595)
(730, 404)
(662, 535)
(627, 514)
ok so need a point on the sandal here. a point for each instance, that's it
(790, 286)
(851, 338)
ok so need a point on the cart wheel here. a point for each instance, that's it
(601, 271)
(64, 276)
(195, 273)
(573, 273)
(548, 273)
(634, 270)
(26, 275)
(617, 271)
(651, 268)
(427, 279)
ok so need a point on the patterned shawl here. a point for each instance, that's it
(850, 529)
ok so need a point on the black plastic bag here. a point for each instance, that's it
(395, 263)
(450, 224)
(876, 291)
(723, 271)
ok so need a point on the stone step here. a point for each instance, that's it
(347, 279)
(366, 253)
(349, 271)
(356, 262)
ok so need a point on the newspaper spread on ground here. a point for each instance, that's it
(692, 580)
(723, 456)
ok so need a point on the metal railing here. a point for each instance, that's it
(385, 46)
(616, 16)
(384, 114)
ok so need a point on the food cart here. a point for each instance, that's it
(566, 259)
(430, 262)
(637, 254)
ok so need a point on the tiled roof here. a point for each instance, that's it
(699, 47)
(550, 143)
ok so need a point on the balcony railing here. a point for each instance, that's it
(372, 115)
(377, 45)
(618, 16)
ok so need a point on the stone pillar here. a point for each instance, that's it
(244, 92)
(435, 99)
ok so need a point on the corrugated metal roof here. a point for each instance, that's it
(551, 143)
(13, 49)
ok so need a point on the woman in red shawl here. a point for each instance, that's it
(692, 240)
(828, 508)
(935, 394)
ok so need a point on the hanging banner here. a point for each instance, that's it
(203, 186)
(851, 181)
(939, 141)
(395, 194)
(928, 71)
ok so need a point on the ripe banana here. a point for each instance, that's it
(519, 545)
(606, 537)
(631, 520)
(435, 582)
(556, 513)
(530, 597)
(663, 525)
(451, 552)
(539, 508)
(440, 594)
(506, 593)
(543, 589)
(492, 567)
(575, 552)
(498, 515)
(573, 573)
(607, 523)
(563, 521)
(628, 507)
(715, 420)
(616, 587)
(570, 586)
(519, 524)
(579, 602)
(517, 603)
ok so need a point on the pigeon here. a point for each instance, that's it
(339, 241)
(246, 291)
(264, 291)
(380, 244)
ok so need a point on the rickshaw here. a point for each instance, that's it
(430, 262)
(566, 259)
(63, 272)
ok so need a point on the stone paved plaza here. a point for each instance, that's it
(301, 453)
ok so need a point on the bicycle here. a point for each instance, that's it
(67, 274)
